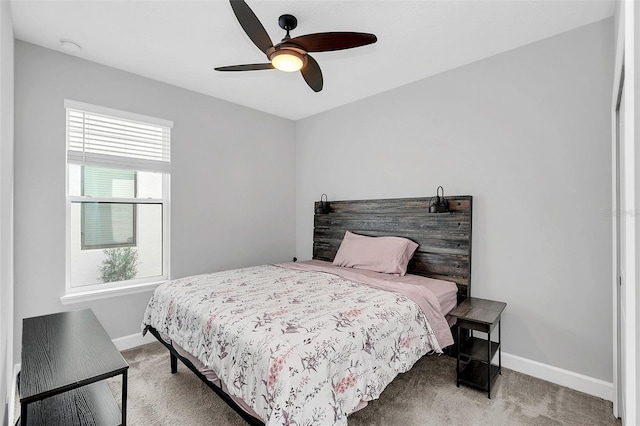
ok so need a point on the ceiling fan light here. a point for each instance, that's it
(287, 60)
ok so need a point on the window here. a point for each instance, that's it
(118, 171)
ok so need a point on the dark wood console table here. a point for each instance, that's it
(65, 359)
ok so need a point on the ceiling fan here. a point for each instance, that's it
(292, 54)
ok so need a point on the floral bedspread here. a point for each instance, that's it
(299, 347)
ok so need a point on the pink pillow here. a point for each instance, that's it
(389, 255)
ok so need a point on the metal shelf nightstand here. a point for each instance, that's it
(480, 315)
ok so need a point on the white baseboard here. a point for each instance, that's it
(133, 341)
(576, 381)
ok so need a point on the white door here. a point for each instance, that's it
(621, 208)
(627, 249)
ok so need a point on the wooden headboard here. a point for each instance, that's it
(444, 238)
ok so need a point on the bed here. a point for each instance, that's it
(311, 342)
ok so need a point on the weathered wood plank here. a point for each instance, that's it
(440, 264)
(400, 222)
(452, 243)
(395, 205)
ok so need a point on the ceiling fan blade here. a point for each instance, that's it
(312, 74)
(247, 67)
(251, 25)
(324, 42)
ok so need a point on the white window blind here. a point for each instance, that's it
(110, 138)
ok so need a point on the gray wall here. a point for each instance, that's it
(527, 133)
(232, 181)
(6, 205)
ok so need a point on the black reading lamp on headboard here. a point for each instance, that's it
(438, 203)
(322, 207)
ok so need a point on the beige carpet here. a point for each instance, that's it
(426, 395)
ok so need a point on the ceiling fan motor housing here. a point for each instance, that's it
(287, 22)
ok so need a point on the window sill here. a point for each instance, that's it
(86, 296)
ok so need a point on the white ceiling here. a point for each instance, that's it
(180, 42)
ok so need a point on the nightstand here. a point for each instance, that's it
(476, 353)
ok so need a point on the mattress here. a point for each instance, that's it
(445, 291)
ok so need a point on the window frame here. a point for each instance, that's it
(99, 290)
